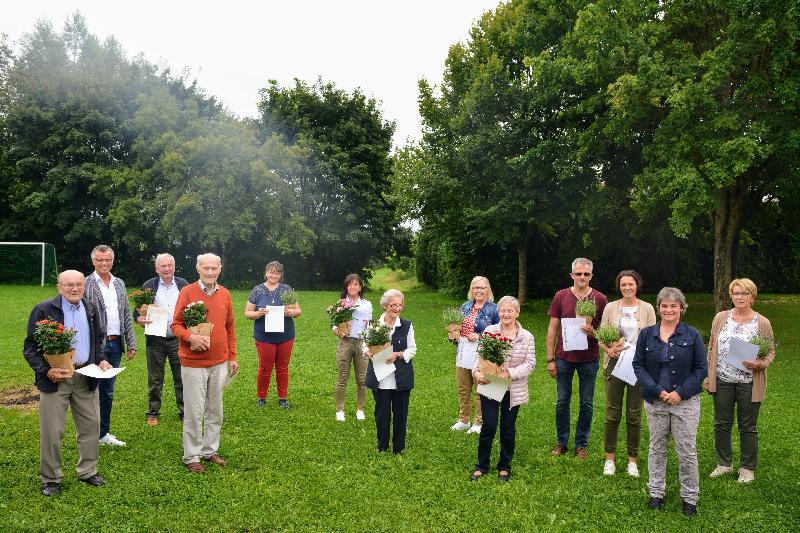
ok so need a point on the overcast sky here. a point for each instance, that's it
(232, 47)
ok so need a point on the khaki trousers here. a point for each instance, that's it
(466, 384)
(72, 393)
(202, 404)
(350, 349)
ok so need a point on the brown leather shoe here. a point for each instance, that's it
(216, 459)
(195, 468)
(559, 450)
(152, 421)
(580, 453)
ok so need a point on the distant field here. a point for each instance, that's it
(300, 469)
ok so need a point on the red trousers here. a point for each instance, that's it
(269, 356)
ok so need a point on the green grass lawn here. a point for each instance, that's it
(300, 469)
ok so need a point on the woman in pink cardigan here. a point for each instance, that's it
(519, 366)
(733, 387)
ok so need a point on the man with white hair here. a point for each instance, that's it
(59, 389)
(165, 287)
(204, 363)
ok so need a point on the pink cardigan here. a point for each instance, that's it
(520, 364)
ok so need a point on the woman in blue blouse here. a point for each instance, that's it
(274, 349)
(670, 364)
(479, 311)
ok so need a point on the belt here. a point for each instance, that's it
(113, 337)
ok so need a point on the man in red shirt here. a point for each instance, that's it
(204, 363)
(562, 365)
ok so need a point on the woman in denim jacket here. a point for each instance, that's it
(479, 311)
(670, 364)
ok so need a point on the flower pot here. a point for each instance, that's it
(293, 307)
(489, 368)
(143, 310)
(453, 331)
(373, 349)
(204, 328)
(343, 329)
(62, 360)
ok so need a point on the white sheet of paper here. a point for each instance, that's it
(467, 351)
(741, 351)
(624, 368)
(571, 334)
(158, 325)
(495, 389)
(273, 321)
(93, 371)
(379, 364)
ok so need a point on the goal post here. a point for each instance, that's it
(28, 263)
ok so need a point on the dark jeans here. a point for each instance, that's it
(587, 372)
(159, 351)
(388, 404)
(728, 396)
(106, 386)
(493, 410)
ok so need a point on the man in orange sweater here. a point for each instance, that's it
(204, 363)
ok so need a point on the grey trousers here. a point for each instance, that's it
(203, 420)
(681, 422)
(350, 349)
(728, 396)
(159, 351)
(72, 393)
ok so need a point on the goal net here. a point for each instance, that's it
(28, 263)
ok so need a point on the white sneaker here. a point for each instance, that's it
(360, 415)
(340, 416)
(609, 468)
(111, 440)
(633, 470)
(459, 426)
(746, 476)
(475, 428)
(720, 471)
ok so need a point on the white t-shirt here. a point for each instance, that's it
(112, 305)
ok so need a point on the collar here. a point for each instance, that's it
(67, 305)
(161, 282)
(100, 280)
(396, 322)
(205, 289)
(680, 329)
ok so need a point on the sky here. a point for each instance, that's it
(232, 47)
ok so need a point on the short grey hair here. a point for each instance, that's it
(161, 256)
(203, 257)
(671, 293)
(388, 295)
(102, 248)
(508, 300)
(581, 261)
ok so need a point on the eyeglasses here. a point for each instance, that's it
(478, 288)
(745, 294)
(72, 285)
(584, 274)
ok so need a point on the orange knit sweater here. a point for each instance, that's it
(223, 337)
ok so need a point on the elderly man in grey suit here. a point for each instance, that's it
(165, 287)
(58, 390)
(109, 295)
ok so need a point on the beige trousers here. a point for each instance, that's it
(466, 384)
(350, 349)
(72, 393)
(202, 406)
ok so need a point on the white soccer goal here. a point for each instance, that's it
(28, 263)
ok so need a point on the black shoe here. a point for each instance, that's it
(504, 477)
(94, 480)
(689, 509)
(51, 489)
(656, 503)
(282, 403)
(261, 402)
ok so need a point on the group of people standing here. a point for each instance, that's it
(669, 361)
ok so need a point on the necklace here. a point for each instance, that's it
(272, 294)
(580, 296)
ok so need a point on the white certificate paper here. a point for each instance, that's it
(93, 371)
(495, 389)
(158, 325)
(467, 351)
(273, 321)
(624, 368)
(379, 364)
(571, 334)
(741, 351)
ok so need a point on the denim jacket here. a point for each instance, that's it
(687, 361)
(486, 316)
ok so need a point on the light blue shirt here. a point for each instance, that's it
(75, 317)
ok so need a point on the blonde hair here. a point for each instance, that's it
(489, 293)
(745, 283)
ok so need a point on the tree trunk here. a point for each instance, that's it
(522, 265)
(727, 219)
